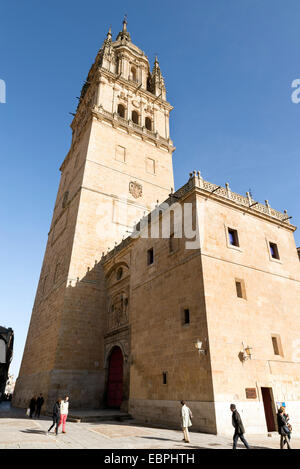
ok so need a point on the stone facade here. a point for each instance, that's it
(230, 283)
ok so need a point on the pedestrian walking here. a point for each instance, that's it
(32, 406)
(39, 404)
(239, 429)
(284, 428)
(56, 416)
(64, 410)
(186, 416)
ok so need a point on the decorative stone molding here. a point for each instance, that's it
(117, 315)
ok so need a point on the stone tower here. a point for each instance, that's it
(119, 165)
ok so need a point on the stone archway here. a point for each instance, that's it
(115, 379)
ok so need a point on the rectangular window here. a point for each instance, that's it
(120, 154)
(240, 288)
(276, 345)
(239, 291)
(186, 316)
(233, 237)
(164, 377)
(274, 251)
(150, 256)
(150, 165)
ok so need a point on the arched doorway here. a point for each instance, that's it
(115, 379)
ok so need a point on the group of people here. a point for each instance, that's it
(35, 406)
(59, 413)
(284, 427)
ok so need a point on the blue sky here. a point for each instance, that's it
(228, 66)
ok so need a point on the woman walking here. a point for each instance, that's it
(64, 410)
(56, 416)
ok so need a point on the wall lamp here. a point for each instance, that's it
(246, 352)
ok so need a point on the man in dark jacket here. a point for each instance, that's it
(39, 403)
(238, 427)
(56, 415)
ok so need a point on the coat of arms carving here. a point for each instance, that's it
(135, 189)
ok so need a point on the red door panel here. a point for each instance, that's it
(268, 406)
(115, 379)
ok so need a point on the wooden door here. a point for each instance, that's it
(115, 379)
(268, 406)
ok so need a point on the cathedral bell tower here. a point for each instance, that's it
(118, 167)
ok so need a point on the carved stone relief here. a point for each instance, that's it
(117, 311)
(135, 189)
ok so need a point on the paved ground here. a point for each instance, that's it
(18, 431)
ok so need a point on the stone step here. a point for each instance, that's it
(98, 415)
(98, 418)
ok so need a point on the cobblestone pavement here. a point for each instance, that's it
(18, 431)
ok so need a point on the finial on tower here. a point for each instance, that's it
(109, 33)
(125, 23)
(124, 34)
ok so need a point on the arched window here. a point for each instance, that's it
(121, 110)
(148, 123)
(119, 273)
(135, 117)
(133, 74)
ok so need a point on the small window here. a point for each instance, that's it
(119, 273)
(164, 377)
(233, 237)
(150, 256)
(276, 345)
(239, 289)
(120, 154)
(121, 110)
(274, 251)
(148, 123)
(186, 316)
(150, 165)
(135, 117)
